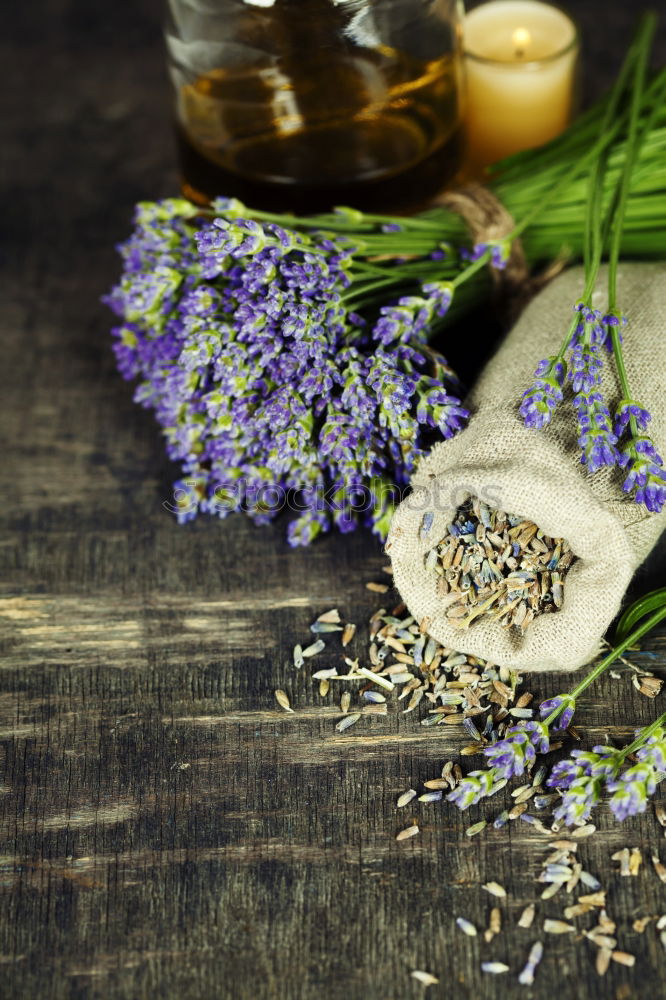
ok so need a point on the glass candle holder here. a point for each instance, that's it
(307, 104)
(521, 67)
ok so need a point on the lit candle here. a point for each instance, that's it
(520, 62)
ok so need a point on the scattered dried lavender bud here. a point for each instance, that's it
(526, 977)
(430, 797)
(426, 978)
(527, 916)
(349, 720)
(314, 648)
(603, 961)
(623, 958)
(494, 968)
(348, 634)
(472, 831)
(406, 798)
(558, 927)
(282, 700)
(409, 831)
(495, 889)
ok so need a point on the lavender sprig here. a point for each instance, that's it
(638, 456)
(581, 351)
(579, 363)
(543, 396)
(633, 787)
(582, 777)
(586, 775)
(559, 709)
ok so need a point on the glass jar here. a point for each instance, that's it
(306, 104)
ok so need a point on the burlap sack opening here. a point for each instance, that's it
(538, 475)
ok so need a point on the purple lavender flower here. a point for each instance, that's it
(475, 253)
(564, 773)
(440, 296)
(187, 494)
(438, 409)
(598, 762)
(626, 409)
(595, 431)
(409, 320)
(541, 399)
(474, 786)
(585, 365)
(653, 751)
(645, 473)
(513, 754)
(581, 779)
(634, 786)
(596, 437)
(591, 323)
(508, 758)
(304, 529)
(265, 386)
(539, 735)
(631, 791)
(499, 252)
(578, 801)
(563, 721)
(610, 322)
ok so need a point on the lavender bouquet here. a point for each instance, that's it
(289, 361)
(269, 385)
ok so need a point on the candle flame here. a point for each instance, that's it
(521, 38)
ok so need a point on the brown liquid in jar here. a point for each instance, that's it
(369, 128)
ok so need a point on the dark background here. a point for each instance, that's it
(163, 830)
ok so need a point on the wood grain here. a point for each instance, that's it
(165, 829)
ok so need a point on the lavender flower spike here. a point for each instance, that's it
(645, 473)
(595, 429)
(542, 397)
(408, 321)
(563, 721)
(475, 786)
(499, 252)
(596, 437)
(578, 801)
(633, 787)
(626, 409)
(581, 779)
(512, 755)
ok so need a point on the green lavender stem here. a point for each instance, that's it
(633, 144)
(643, 736)
(608, 661)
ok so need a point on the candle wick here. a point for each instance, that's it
(521, 39)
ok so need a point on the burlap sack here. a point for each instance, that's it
(537, 474)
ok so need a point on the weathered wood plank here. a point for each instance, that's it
(165, 829)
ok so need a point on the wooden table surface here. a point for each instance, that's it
(165, 829)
